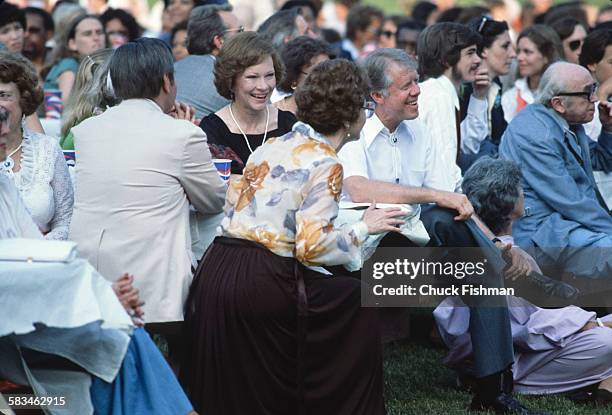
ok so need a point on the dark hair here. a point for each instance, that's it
(330, 35)
(204, 24)
(240, 52)
(292, 4)
(137, 68)
(422, 10)
(280, 26)
(489, 30)
(594, 47)
(469, 13)
(196, 3)
(360, 17)
(298, 53)
(331, 96)
(44, 15)
(493, 188)
(15, 68)
(177, 28)
(563, 10)
(10, 13)
(440, 47)
(126, 19)
(449, 15)
(546, 40)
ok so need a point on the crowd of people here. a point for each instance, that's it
(494, 127)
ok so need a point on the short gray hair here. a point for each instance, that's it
(377, 63)
(493, 187)
(204, 24)
(279, 26)
(551, 83)
(137, 69)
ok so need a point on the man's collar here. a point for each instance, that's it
(374, 127)
(449, 88)
(558, 118)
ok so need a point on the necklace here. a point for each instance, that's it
(9, 162)
(246, 140)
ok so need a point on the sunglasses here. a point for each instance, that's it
(586, 94)
(483, 23)
(369, 108)
(575, 44)
(386, 33)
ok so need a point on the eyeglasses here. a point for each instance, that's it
(238, 30)
(483, 23)
(575, 44)
(386, 33)
(369, 108)
(587, 94)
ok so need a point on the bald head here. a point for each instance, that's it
(562, 77)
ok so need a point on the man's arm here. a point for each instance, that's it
(204, 187)
(362, 189)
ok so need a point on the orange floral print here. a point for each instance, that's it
(308, 242)
(334, 181)
(311, 145)
(251, 182)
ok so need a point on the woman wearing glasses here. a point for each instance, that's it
(538, 47)
(246, 72)
(572, 34)
(269, 331)
(299, 56)
(497, 54)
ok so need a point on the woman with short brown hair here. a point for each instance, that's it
(267, 331)
(246, 72)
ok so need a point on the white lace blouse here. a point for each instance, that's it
(44, 184)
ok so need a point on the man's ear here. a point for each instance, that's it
(592, 67)
(218, 41)
(167, 84)
(378, 97)
(557, 104)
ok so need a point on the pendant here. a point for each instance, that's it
(8, 164)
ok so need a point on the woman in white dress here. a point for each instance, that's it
(34, 161)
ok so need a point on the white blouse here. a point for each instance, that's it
(44, 184)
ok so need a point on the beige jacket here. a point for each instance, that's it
(137, 171)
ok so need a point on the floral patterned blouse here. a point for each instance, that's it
(287, 200)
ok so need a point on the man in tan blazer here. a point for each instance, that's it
(138, 171)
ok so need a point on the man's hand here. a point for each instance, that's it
(456, 201)
(182, 111)
(605, 115)
(129, 297)
(517, 259)
(482, 82)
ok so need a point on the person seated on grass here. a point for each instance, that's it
(556, 350)
(143, 381)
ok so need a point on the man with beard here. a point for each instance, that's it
(566, 223)
(447, 58)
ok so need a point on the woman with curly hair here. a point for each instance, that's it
(299, 56)
(246, 72)
(268, 329)
(35, 161)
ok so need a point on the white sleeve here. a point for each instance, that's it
(353, 158)
(508, 102)
(475, 126)
(63, 196)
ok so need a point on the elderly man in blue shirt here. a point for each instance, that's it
(566, 225)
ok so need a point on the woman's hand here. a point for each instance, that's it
(382, 220)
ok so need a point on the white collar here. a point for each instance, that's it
(307, 130)
(374, 127)
(449, 88)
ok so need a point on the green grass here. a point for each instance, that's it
(416, 383)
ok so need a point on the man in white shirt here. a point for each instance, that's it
(394, 162)
(447, 58)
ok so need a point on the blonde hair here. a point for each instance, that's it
(90, 90)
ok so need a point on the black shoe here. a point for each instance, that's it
(603, 397)
(502, 404)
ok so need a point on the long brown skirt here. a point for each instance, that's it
(249, 351)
